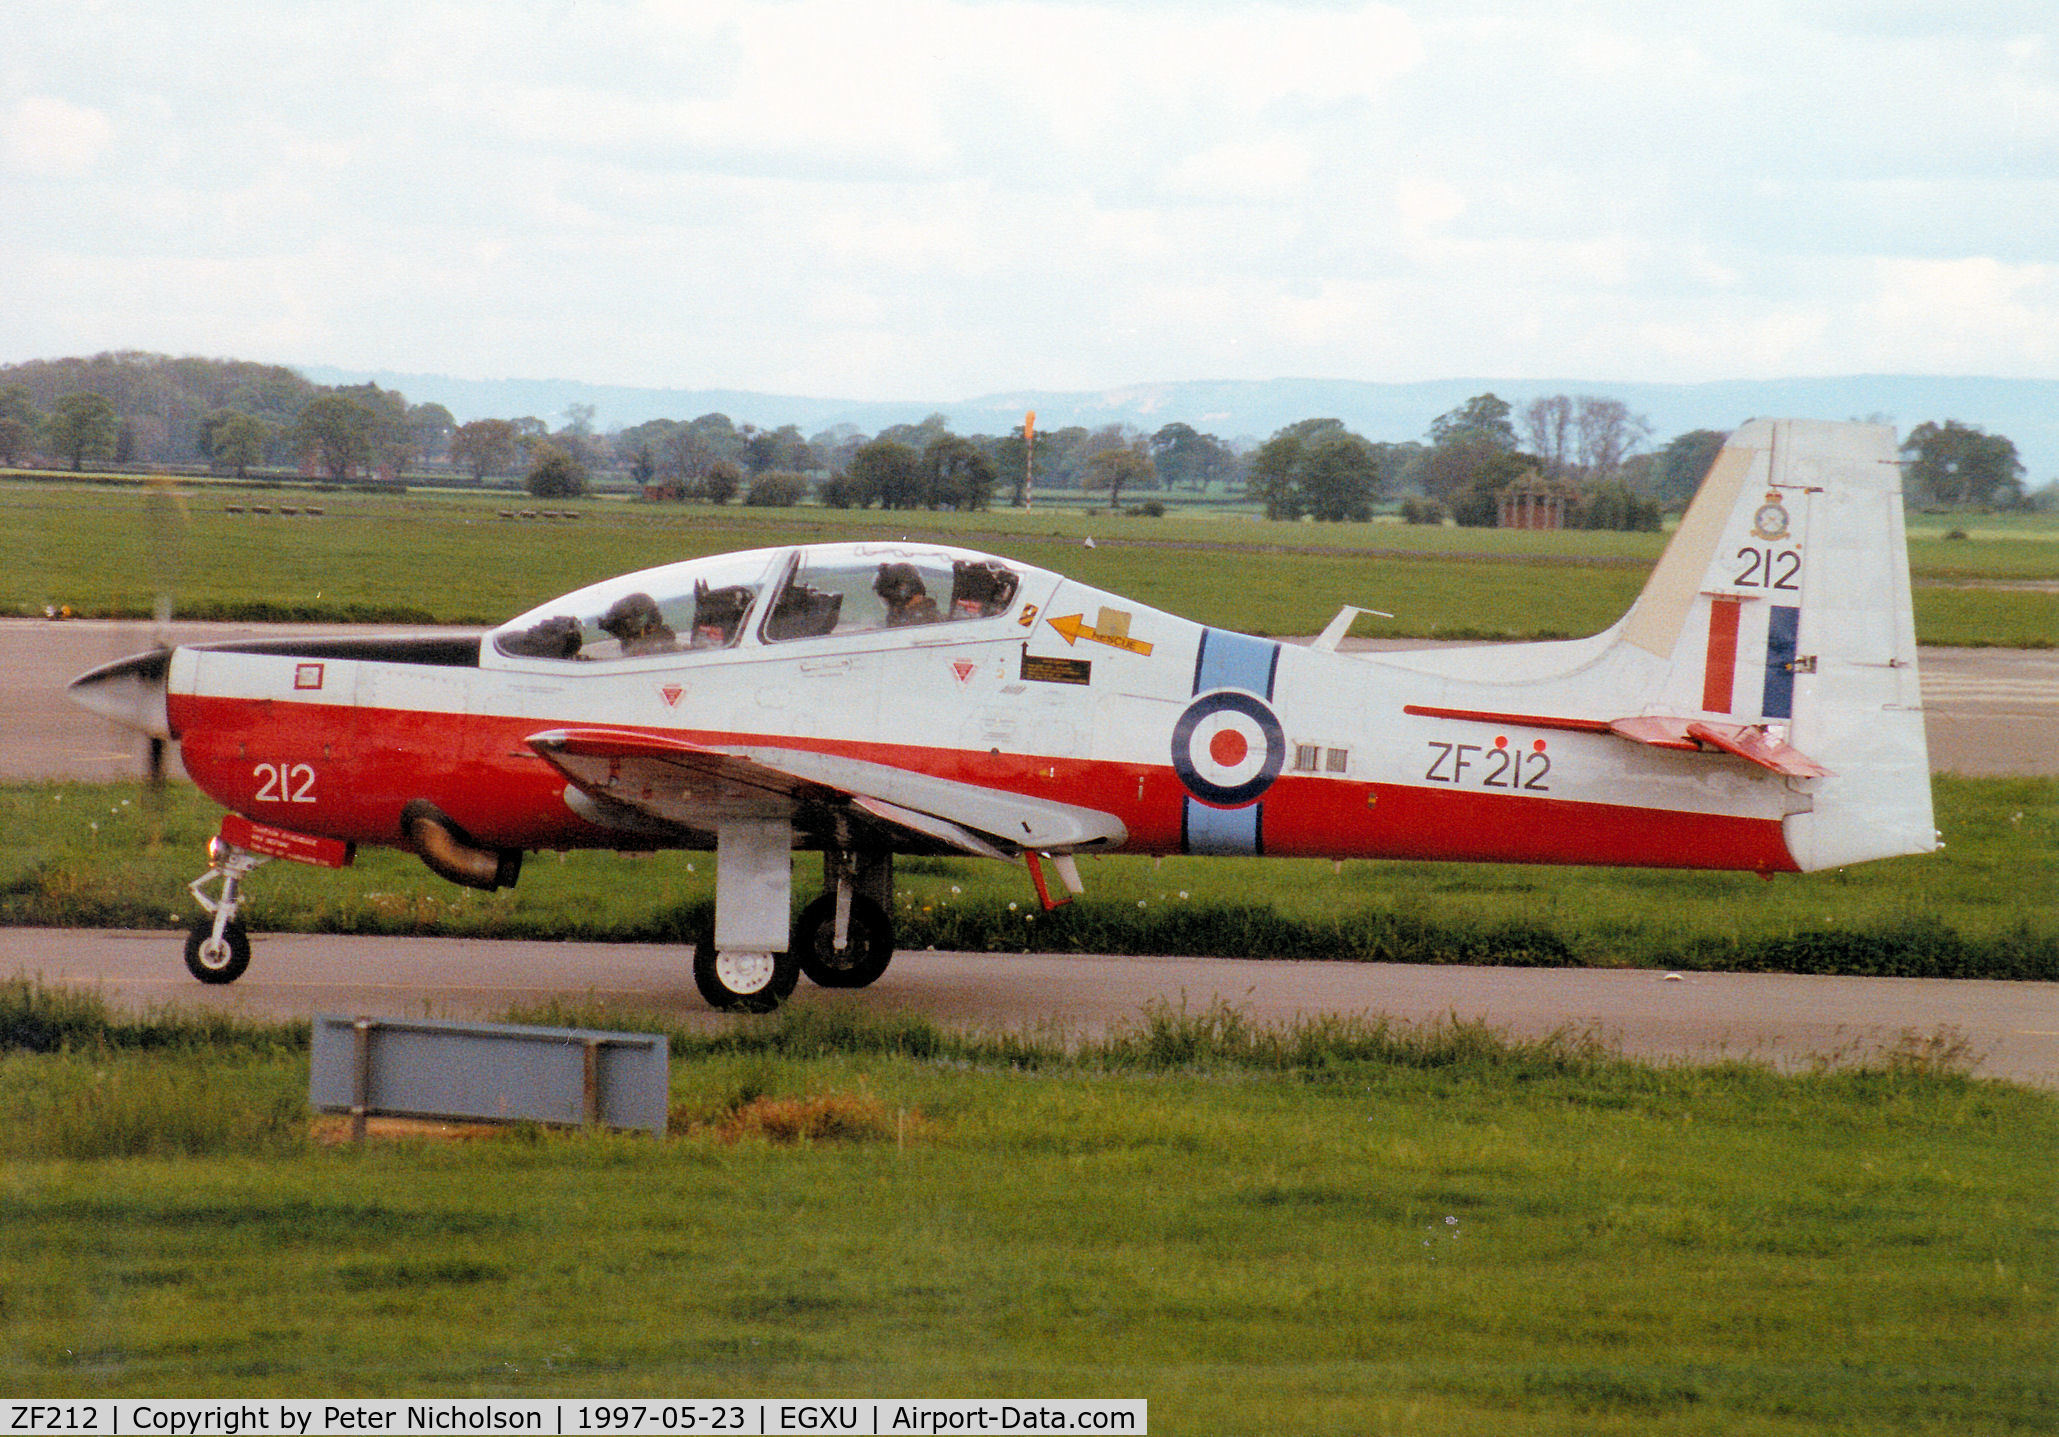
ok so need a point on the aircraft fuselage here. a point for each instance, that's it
(1196, 739)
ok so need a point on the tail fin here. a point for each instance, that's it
(1782, 603)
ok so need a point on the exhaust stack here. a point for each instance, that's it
(450, 852)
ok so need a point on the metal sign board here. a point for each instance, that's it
(493, 1072)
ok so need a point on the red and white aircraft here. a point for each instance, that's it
(1756, 709)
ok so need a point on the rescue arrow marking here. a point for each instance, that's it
(1074, 627)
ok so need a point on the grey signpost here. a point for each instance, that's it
(492, 1072)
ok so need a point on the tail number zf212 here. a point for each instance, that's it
(1500, 766)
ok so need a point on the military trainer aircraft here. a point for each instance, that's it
(1757, 709)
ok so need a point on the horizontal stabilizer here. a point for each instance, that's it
(1750, 742)
(1757, 745)
(1657, 732)
(1575, 725)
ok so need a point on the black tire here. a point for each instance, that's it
(217, 967)
(870, 949)
(729, 991)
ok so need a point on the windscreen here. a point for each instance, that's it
(700, 604)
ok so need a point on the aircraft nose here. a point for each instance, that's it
(130, 691)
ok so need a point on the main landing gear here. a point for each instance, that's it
(743, 980)
(846, 937)
(217, 945)
(748, 961)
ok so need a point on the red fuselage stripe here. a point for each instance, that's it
(349, 772)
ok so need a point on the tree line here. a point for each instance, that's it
(1590, 454)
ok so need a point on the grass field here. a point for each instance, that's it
(448, 558)
(112, 855)
(1335, 1230)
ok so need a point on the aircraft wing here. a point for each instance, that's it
(695, 786)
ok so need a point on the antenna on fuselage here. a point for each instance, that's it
(1330, 637)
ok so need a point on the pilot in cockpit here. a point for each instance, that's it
(718, 613)
(907, 601)
(634, 619)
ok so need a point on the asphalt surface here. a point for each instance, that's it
(1782, 1019)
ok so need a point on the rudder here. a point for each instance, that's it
(1783, 603)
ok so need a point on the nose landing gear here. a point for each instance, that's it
(217, 945)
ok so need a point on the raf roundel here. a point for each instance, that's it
(1228, 748)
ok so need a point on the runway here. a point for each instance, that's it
(1782, 1019)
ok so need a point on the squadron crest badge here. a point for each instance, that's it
(1769, 520)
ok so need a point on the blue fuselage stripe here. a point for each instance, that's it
(1235, 661)
(1229, 661)
(1781, 632)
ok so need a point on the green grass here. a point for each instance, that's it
(2025, 525)
(1310, 1231)
(450, 558)
(112, 855)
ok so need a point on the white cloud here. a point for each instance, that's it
(924, 88)
(1271, 168)
(1426, 205)
(947, 196)
(52, 138)
(1965, 311)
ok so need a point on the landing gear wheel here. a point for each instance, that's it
(864, 958)
(743, 982)
(213, 962)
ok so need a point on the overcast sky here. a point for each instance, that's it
(942, 198)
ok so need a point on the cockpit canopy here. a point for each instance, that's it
(765, 596)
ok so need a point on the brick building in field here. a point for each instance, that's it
(1534, 502)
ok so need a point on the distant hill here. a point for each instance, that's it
(2026, 410)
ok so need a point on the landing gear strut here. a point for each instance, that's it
(743, 963)
(845, 938)
(856, 962)
(217, 945)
